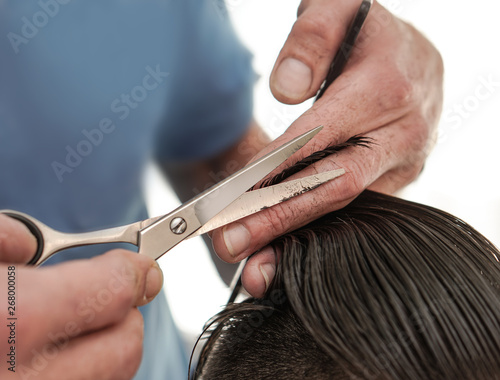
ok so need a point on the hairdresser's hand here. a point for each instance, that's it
(77, 319)
(390, 90)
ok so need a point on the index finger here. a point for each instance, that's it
(86, 295)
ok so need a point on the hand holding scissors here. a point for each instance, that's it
(223, 203)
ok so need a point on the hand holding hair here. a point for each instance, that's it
(390, 91)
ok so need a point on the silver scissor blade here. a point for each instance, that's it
(257, 200)
(159, 237)
(215, 199)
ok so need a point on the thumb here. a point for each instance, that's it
(17, 244)
(304, 60)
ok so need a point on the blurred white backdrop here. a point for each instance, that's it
(461, 176)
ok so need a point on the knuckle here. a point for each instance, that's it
(315, 34)
(275, 220)
(352, 186)
(402, 95)
(353, 182)
(315, 23)
(396, 92)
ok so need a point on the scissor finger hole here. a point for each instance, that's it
(35, 231)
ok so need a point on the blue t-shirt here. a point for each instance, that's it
(90, 90)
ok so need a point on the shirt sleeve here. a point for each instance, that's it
(210, 105)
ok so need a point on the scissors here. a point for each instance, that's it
(219, 205)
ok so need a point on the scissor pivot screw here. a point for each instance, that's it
(178, 225)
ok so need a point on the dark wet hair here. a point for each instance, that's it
(381, 289)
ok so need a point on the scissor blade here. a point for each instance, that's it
(162, 235)
(214, 200)
(257, 200)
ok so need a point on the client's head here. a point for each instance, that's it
(382, 289)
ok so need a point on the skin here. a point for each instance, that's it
(390, 90)
(97, 331)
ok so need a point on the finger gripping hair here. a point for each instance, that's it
(355, 141)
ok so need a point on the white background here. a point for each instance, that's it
(461, 176)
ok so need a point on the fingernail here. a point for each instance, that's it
(236, 238)
(154, 282)
(268, 270)
(293, 78)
